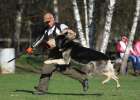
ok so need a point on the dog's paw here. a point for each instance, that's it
(55, 61)
(61, 62)
(48, 62)
(103, 82)
(118, 86)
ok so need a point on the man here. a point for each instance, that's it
(52, 30)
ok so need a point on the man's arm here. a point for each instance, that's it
(29, 50)
(38, 41)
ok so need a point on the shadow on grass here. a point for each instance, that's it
(71, 94)
(76, 94)
(25, 91)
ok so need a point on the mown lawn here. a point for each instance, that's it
(19, 87)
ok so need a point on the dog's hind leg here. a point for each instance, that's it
(111, 76)
(114, 77)
(107, 79)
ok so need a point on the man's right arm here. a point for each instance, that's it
(35, 44)
(38, 41)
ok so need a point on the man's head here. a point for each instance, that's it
(49, 19)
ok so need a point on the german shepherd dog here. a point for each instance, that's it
(94, 61)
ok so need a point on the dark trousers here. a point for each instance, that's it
(67, 70)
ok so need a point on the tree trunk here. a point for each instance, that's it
(55, 3)
(79, 24)
(107, 28)
(30, 32)
(86, 23)
(131, 37)
(100, 26)
(91, 26)
(18, 25)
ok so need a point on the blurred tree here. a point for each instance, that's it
(79, 24)
(107, 28)
(91, 23)
(55, 3)
(33, 10)
(18, 25)
(131, 37)
(100, 9)
(86, 23)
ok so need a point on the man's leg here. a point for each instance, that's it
(75, 74)
(46, 73)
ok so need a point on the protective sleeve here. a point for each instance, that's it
(38, 41)
(63, 27)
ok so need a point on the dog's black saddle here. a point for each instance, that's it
(85, 55)
(78, 52)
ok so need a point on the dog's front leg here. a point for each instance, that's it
(55, 61)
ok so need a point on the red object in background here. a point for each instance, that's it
(119, 49)
(29, 50)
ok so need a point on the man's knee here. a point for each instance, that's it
(62, 68)
(47, 69)
(45, 75)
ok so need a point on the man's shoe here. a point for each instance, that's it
(85, 85)
(39, 92)
(36, 88)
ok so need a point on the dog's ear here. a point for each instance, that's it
(70, 34)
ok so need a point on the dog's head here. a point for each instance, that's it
(70, 34)
(66, 40)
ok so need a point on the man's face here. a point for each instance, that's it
(49, 19)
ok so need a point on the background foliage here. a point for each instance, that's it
(34, 9)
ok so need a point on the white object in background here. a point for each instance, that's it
(7, 54)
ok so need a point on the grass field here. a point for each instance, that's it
(20, 86)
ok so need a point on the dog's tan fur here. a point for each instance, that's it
(105, 68)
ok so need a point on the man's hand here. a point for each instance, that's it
(51, 43)
(29, 50)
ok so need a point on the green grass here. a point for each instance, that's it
(18, 87)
